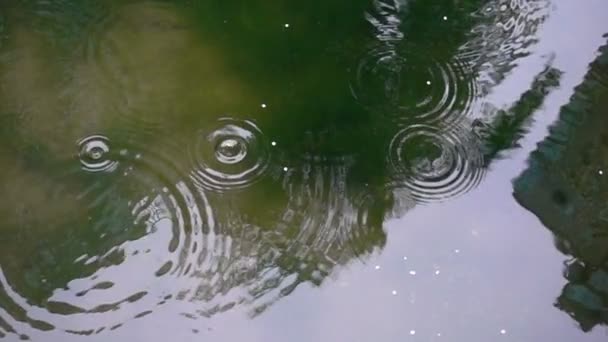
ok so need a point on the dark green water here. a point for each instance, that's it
(367, 170)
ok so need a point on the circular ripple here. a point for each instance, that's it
(186, 244)
(433, 164)
(323, 225)
(232, 155)
(148, 219)
(94, 154)
(413, 85)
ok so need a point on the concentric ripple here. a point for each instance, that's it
(435, 164)
(412, 85)
(232, 155)
(324, 224)
(94, 154)
(147, 220)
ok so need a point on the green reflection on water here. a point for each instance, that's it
(349, 115)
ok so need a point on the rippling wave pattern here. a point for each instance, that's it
(435, 164)
(147, 218)
(145, 233)
(403, 82)
(232, 155)
(158, 205)
(95, 154)
(506, 32)
(329, 211)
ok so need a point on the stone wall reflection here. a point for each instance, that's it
(565, 186)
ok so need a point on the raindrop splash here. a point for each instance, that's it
(435, 164)
(406, 84)
(94, 154)
(232, 155)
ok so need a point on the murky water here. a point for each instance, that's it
(390, 170)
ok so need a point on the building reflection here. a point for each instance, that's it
(565, 187)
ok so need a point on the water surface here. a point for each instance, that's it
(321, 170)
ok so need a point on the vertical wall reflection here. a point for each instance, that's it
(565, 186)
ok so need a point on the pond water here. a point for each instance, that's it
(364, 170)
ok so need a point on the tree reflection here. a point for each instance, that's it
(230, 151)
(564, 186)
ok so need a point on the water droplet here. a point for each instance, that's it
(286, 25)
(435, 165)
(445, 18)
(600, 172)
(263, 105)
(94, 154)
(234, 154)
(231, 150)
(274, 143)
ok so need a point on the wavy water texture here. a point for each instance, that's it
(233, 154)
(145, 216)
(507, 32)
(415, 88)
(396, 77)
(94, 154)
(435, 164)
(145, 171)
(120, 234)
